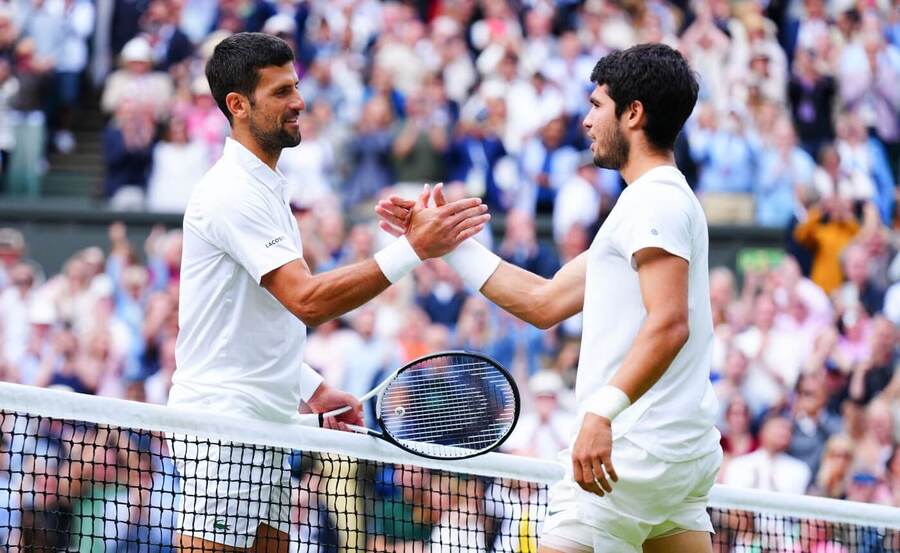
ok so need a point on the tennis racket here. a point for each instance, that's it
(446, 405)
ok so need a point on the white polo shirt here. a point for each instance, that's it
(239, 350)
(675, 419)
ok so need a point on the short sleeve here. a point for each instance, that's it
(659, 216)
(249, 232)
(309, 381)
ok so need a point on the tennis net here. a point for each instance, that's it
(79, 473)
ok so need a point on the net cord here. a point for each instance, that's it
(127, 414)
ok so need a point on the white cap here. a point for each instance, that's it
(545, 383)
(279, 23)
(137, 49)
(200, 87)
(41, 312)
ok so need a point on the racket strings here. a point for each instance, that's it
(449, 408)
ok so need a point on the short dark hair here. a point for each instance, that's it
(659, 78)
(236, 61)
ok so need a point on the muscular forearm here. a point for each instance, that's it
(656, 345)
(519, 292)
(331, 294)
(535, 299)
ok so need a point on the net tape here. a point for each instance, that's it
(347, 492)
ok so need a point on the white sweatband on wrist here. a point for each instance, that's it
(397, 259)
(309, 382)
(473, 263)
(607, 402)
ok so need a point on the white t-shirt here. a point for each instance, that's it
(239, 350)
(762, 471)
(675, 419)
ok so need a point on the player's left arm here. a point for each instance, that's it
(663, 280)
(664, 290)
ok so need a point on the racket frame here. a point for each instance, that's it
(386, 435)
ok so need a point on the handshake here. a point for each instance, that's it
(426, 232)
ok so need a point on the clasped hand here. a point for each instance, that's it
(432, 231)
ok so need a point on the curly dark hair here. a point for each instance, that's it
(236, 61)
(658, 77)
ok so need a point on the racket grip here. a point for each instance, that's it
(363, 430)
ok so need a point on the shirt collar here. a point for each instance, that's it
(247, 160)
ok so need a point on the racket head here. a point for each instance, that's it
(449, 405)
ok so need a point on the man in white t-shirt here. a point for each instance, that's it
(646, 404)
(247, 295)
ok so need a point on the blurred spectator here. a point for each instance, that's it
(62, 366)
(732, 387)
(770, 467)
(310, 167)
(869, 69)
(521, 247)
(474, 152)
(205, 122)
(177, 164)
(828, 228)
(421, 141)
(370, 151)
(811, 92)
(12, 248)
(834, 178)
(706, 47)
(876, 445)
(136, 81)
(863, 154)
(9, 87)
(547, 164)
(128, 142)
(774, 357)
(834, 472)
(784, 168)
(737, 436)
(60, 29)
(440, 293)
(859, 290)
(169, 44)
(724, 150)
(872, 374)
(34, 74)
(15, 302)
(813, 424)
(547, 428)
(578, 201)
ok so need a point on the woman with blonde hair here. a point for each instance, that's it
(831, 481)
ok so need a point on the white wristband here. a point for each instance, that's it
(473, 262)
(397, 259)
(607, 402)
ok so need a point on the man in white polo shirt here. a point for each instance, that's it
(247, 296)
(640, 469)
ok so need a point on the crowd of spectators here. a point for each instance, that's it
(798, 101)
(797, 128)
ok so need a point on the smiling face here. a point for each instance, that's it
(609, 145)
(273, 116)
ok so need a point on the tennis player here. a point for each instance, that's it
(642, 464)
(247, 297)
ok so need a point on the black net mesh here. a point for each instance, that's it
(74, 486)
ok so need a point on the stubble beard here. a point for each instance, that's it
(616, 150)
(273, 140)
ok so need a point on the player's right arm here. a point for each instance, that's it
(315, 299)
(530, 297)
(534, 299)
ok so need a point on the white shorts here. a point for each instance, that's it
(228, 490)
(652, 499)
